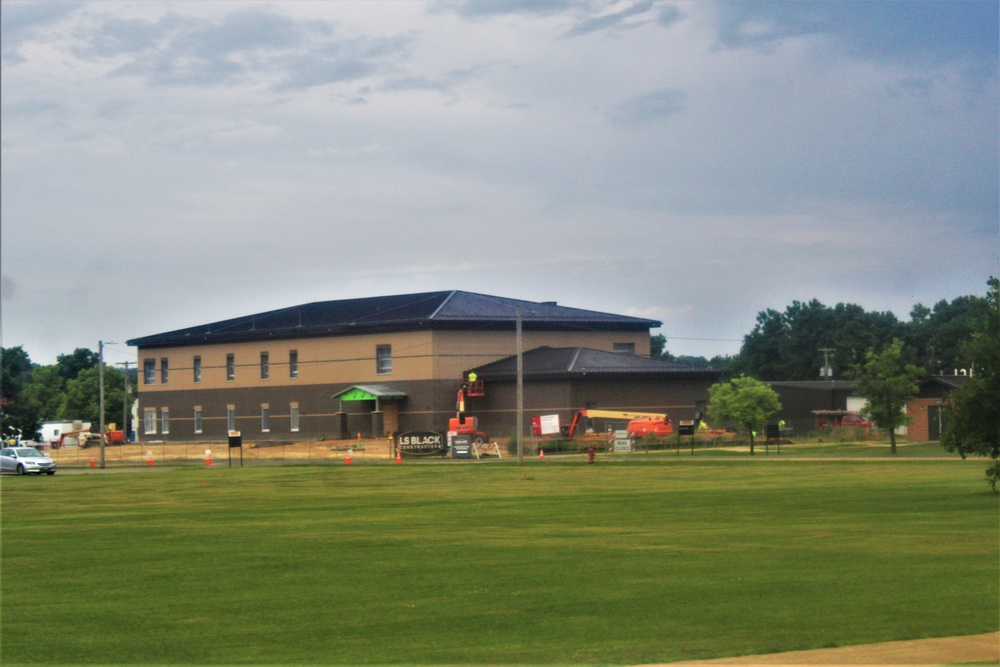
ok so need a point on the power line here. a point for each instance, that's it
(716, 340)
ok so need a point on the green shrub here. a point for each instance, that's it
(993, 475)
(843, 434)
(649, 442)
(558, 445)
(512, 441)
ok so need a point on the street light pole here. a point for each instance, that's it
(520, 392)
(125, 393)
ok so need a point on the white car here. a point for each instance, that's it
(26, 461)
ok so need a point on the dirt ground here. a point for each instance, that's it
(159, 452)
(976, 649)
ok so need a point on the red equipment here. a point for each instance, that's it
(640, 424)
(461, 424)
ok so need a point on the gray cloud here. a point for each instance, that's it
(472, 9)
(20, 21)
(245, 47)
(670, 15)
(232, 158)
(595, 17)
(763, 25)
(649, 107)
(614, 20)
(898, 31)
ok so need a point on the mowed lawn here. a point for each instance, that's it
(449, 563)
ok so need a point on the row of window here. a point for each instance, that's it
(149, 368)
(151, 422)
(383, 365)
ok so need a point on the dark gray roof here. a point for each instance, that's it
(572, 362)
(814, 385)
(947, 381)
(429, 310)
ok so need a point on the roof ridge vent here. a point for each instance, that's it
(572, 362)
(442, 304)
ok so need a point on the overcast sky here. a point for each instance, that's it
(168, 164)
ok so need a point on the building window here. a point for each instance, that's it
(265, 418)
(293, 364)
(164, 370)
(265, 365)
(197, 369)
(164, 421)
(383, 358)
(197, 419)
(149, 421)
(625, 348)
(149, 371)
(231, 367)
(230, 417)
(293, 413)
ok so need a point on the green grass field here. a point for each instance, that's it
(437, 563)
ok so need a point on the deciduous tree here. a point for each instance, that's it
(18, 415)
(972, 424)
(83, 396)
(939, 336)
(888, 383)
(786, 345)
(743, 401)
(658, 347)
(47, 390)
(70, 365)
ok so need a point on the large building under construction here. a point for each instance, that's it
(391, 364)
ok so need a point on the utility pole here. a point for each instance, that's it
(827, 371)
(100, 383)
(520, 392)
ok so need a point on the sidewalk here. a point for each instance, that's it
(983, 649)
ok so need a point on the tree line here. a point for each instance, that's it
(885, 374)
(885, 356)
(795, 344)
(67, 390)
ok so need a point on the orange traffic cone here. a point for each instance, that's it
(92, 463)
(541, 454)
(208, 458)
(399, 457)
(149, 458)
(347, 459)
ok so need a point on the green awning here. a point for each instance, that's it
(369, 392)
(356, 394)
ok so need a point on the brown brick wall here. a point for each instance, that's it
(680, 398)
(920, 410)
